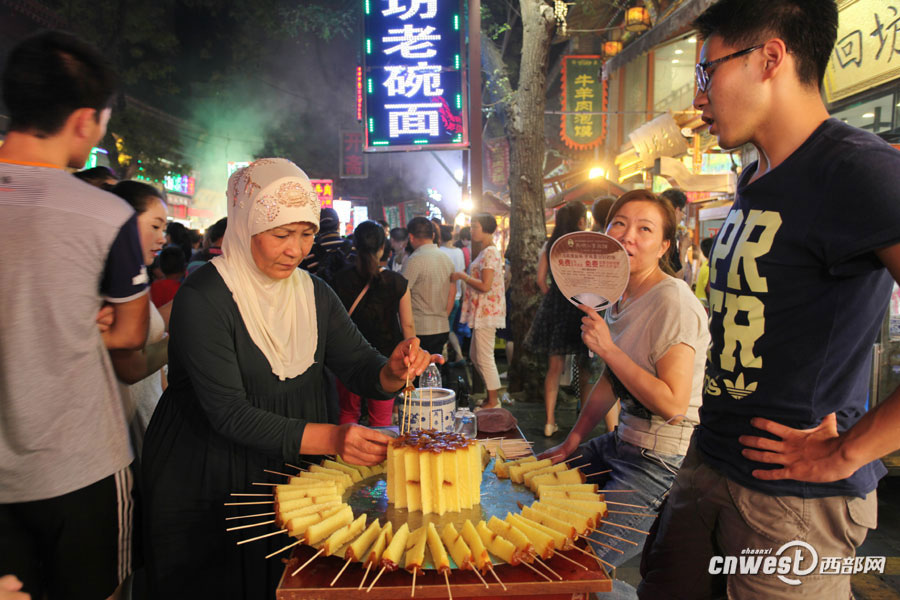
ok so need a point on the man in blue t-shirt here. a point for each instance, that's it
(778, 486)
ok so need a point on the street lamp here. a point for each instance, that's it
(596, 173)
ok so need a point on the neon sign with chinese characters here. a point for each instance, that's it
(173, 182)
(415, 92)
(324, 190)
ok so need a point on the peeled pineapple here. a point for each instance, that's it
(434, 472)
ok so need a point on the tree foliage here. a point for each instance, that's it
(167, 53)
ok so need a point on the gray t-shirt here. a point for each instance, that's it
(666, 315)
(67, 247)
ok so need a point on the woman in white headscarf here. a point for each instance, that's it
(250, 335)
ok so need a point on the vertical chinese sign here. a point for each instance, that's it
(414, 75)
(583, 94)
(354, 164)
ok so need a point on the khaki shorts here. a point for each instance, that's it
(715, 539)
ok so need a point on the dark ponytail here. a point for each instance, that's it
(368, 238)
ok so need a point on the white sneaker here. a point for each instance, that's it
(550, 429)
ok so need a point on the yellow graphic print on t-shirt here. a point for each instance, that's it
(743, 315)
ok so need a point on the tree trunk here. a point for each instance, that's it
(525, 129)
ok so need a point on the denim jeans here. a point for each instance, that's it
(650, 474)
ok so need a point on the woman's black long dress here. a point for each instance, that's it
(223, 419)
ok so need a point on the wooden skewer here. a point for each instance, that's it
(625, 512)
(266, 484)
(246, 503)
(283, 549)
(624, 527)
(447, 581)
(278, 473)
(477, 574)
(365, 576)
(599, 543)
(623, 504)
(250, 525)
(300, 568)
(369, 589)
(494, 573)
(573, 458)
(536, 571)
(309, 462)
(598, 473)
(621, 539)
(543, 564)
(406, 403)
(346, 564)
(421, 402)
(249, 516)
(255, 495)
(415, 570)
(259, 537)
(574, 562)
(595, 557)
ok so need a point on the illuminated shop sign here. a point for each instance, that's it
(173, 182)
(415, 92)
(324, 190)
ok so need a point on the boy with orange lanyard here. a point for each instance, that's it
(66, 481)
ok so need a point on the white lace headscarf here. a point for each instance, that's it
(280, 314)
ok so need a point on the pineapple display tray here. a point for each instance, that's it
(498, 497)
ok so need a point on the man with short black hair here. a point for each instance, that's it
(330, 252)
(785, 457)
(212, 245)
(66, 483)
(428, 272)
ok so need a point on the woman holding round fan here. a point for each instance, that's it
(653, 342)
(250, 336)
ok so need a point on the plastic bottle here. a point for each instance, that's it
(430, 377)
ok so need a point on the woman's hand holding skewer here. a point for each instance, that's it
(407, 361)
(559, 452)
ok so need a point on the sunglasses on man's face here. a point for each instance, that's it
(703, 71)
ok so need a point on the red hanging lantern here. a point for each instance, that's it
(637, 19)
(611, 48)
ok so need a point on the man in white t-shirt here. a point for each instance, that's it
(66, 482)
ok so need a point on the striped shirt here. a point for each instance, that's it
(63, 422)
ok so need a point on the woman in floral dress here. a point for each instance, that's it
(484, 303)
